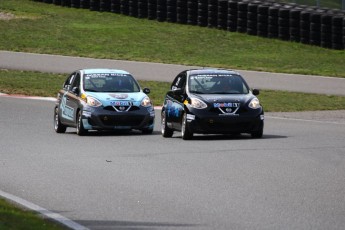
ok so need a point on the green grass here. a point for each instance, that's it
(51, 29)
(13, 218)
(47, 85)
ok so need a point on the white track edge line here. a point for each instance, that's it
(49, 214)
(305, 120)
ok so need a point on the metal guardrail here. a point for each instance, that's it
(333, 4)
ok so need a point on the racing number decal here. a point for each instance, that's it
(67, 111)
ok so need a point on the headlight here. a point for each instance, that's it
(197, 103)
(93, 102)
(254, 103)
(146, 102)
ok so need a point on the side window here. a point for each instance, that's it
(69, 81)
(179, 82)
(76, 82)
(182, 84)
(175, 83)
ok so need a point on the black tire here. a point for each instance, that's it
(166, 131)
(232, 26)
(75, 3)
(94, 5)
(273, 11)
(84, 4)
(252, 31)
(305, 15)
(252, 25)
(242, 6)
(58, 126)
(258, 133)
(147, 131)
(337, 46)
(57, 2)
(80, 127)
(185, 132)
(294, 23)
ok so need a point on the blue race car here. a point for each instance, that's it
(103, 99)
(211, 101)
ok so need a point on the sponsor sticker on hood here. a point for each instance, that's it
(226, 105)
(119, 95)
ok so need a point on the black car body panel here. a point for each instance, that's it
(223, 112)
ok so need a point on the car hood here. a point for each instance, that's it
(107, 98)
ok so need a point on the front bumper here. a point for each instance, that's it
(209, 123)
(108, 119)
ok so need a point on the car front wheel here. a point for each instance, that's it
(166, 131)
(147, 131)
(185, 132)
(259, 132)
(80, 127)
(58, 127)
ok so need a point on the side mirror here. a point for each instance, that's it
(75, 90)
(177, 91)
(146, 90)
(256, 92)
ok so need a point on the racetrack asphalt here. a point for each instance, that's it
(167, 72)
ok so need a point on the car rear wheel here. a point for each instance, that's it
(166, 131)
(80, 127)
(58, 127)
(185, 132)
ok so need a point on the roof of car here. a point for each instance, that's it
(212, 71)
(103, 70)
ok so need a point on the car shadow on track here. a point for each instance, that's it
(115, 133)
(196, 137)
(213, 137)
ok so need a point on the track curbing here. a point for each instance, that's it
(46, 213)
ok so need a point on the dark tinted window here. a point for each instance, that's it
(69, 81)
(217, 84)
(76, 81)
(179, 82)
(110, 82)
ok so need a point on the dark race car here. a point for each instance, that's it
(103, 99)
(211, 101)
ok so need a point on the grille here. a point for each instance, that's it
(125, 120)
(218, 125)
(240, 110)
(111, 108)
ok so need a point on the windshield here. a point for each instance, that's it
(110, 82)
(217, 84)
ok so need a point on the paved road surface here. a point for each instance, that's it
(166, 72)
(292, 178)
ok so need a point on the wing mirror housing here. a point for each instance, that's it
(177, 91)
(146, 90)
(75, 90)
(256, 92)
